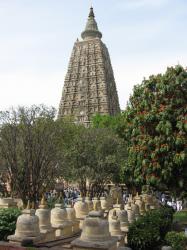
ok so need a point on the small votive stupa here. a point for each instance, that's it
(7, 202)
(139, 201)
(44, 215)
(81, 210)
(135, 209)
(27, 228)
(130, 213)
(116, 207)
(72, 218)
(89, 202)
(115, 229)
(59, 219)
(105, 203)
(95, 234)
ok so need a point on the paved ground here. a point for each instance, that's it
(61, 244)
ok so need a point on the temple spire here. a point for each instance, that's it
(91, 14)
(91, 30)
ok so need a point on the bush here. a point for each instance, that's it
(8, 218)
(161, 218)
(143, 236)
(51, 202)
(149, 231)
(176, 240)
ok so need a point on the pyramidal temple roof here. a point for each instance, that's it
(91, 30)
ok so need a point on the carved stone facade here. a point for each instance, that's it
(89, 86)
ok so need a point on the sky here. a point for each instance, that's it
(37, 37)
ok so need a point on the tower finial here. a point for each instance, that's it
(91, 30)
(91, 14)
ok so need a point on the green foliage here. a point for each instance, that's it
(177, 241)
(142, 236)
(51, 202)
(93, 154)
(156, 131)
(116, 123)
(149, 231)
(8, 218)
(180, 216)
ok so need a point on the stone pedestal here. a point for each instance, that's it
(72, 218)
(81, 210)
(124, 248)
(44, 215)
(7, 202)
(27, 228)
(95, 234)
(60, 222)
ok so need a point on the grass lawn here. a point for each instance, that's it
(180, 216)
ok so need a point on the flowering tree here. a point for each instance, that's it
(156, 131)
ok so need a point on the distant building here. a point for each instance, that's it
(89, 86)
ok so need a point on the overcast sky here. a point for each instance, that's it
(37, 37)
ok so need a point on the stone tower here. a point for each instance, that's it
(89, 86)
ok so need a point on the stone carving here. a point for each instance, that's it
(72, 218)
(89, 86)
(115, 230)
(27, 228)
(7, 202)
(95, 234)
(81, 210)
(59, 219)
(89, 203)
(44, 215)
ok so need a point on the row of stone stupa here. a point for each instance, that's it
(101, 223)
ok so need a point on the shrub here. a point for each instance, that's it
(142, 236)
(51, 202)
(8, 218)
(149, 231)
(161, 218)
(176, 240)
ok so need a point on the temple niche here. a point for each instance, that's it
(89, 86)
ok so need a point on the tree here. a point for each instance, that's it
(29, 149)
(156, 131)
(93, 156)
(115, 123)
(4, 179)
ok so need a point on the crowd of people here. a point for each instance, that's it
(70, 195)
